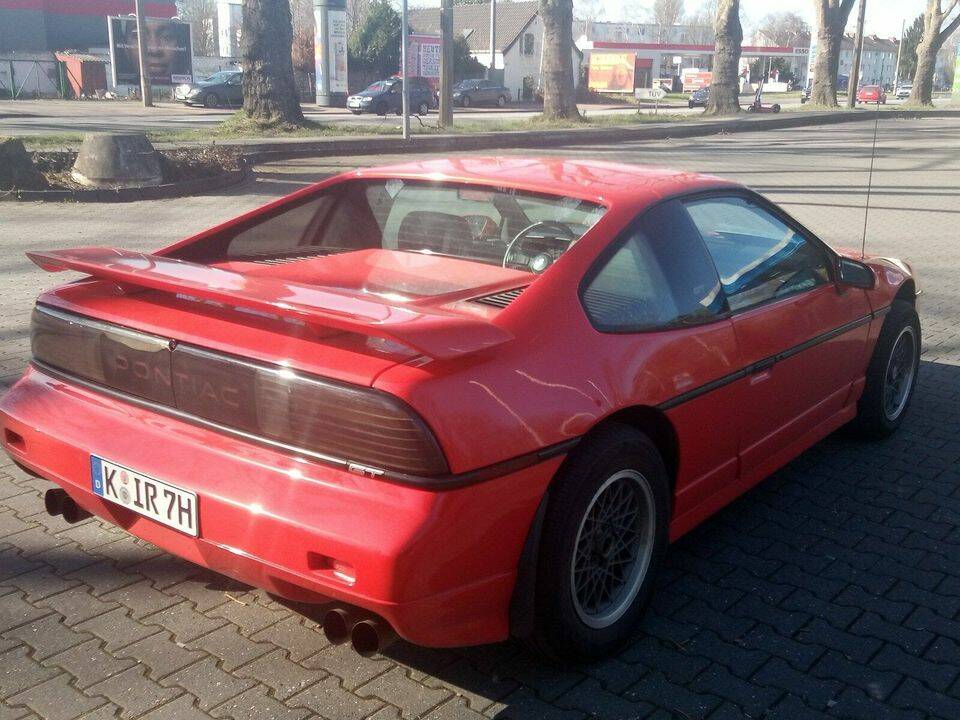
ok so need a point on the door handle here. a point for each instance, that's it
(766, 364)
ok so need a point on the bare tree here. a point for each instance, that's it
(559, 95)
(785, 29)
(725, 86)
(202, 16)
(667, 12)
(700, 23)
(832, 16)
(935, 34)
(304, 29)
(357, 11)
(269, 91)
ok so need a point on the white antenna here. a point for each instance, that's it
(873, 155)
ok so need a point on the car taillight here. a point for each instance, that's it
(356, 426)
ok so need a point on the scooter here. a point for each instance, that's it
(757, 105)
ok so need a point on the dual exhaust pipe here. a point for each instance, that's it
(367, 634)
(58, 502)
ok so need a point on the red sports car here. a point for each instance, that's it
(872, 94)
(461, 399)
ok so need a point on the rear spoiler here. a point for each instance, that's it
(434, 333)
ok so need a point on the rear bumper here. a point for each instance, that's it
(439, 566)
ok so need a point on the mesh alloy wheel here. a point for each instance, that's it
(613, 549)
(900, 373)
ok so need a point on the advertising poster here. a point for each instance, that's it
(694, 79)
(423, 57)
(169, 55)
(955, 98)
(612, 72)
(337, 20)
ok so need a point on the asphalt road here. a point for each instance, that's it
(830, 590)
(45, 117)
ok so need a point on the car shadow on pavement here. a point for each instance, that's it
(831, 589)
(828, 587)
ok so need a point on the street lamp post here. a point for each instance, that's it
(142, 54)
(405, 83)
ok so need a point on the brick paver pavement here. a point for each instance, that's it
(831, 590)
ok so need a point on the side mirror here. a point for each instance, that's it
(856, 274)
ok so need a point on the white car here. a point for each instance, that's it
(903, 91)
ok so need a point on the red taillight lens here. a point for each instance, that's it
(340, 422)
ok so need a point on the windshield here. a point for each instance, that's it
(380, 86)
(496, 226)
(220, 77)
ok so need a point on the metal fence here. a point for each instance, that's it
(22, 78)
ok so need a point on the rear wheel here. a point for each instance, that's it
(501, 101)
(604, 532)
(891, 375)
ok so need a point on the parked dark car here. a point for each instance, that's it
(699, 98)
(222, 89)
(480, 92)
(386, 96)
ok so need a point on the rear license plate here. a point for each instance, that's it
(147, 496)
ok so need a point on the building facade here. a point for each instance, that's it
(48, 25)
(878, 61)
(670, 51)
(518, 58)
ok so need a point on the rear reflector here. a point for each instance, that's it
(355, 426)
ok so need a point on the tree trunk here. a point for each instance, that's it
(269, 91)
(826, 68)
(559, 95)
(934, 35)
(832, 16)
(922, 91)
(725, 85)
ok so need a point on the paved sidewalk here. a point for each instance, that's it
(831, 590)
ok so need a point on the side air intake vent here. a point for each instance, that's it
(500, 299)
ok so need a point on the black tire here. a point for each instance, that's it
(873, 418)
(423, 108)
(501, 101)
(560, 632)
(212, 100)
(465, 101)
(776, 108)
(382, 109)
(690, 104)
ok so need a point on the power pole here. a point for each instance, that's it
(896, 72)
(493, 40)
(142, 54)
(446, 63)
(854, 83)
(404, 49)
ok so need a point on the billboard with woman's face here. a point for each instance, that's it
(169, 57)
(612, 72)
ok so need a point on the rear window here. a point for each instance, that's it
(497, 226)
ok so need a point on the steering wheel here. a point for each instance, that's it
(567, 236)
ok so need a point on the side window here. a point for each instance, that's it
(658, 276)
(528, 43)
(759, 258)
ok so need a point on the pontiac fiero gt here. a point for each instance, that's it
(457, 400)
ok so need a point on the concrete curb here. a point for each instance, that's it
(193, 186)
(260, 151)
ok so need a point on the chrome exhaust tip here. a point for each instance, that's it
(53, 501)
(57, 502)
(336, 626)
(371, 637)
